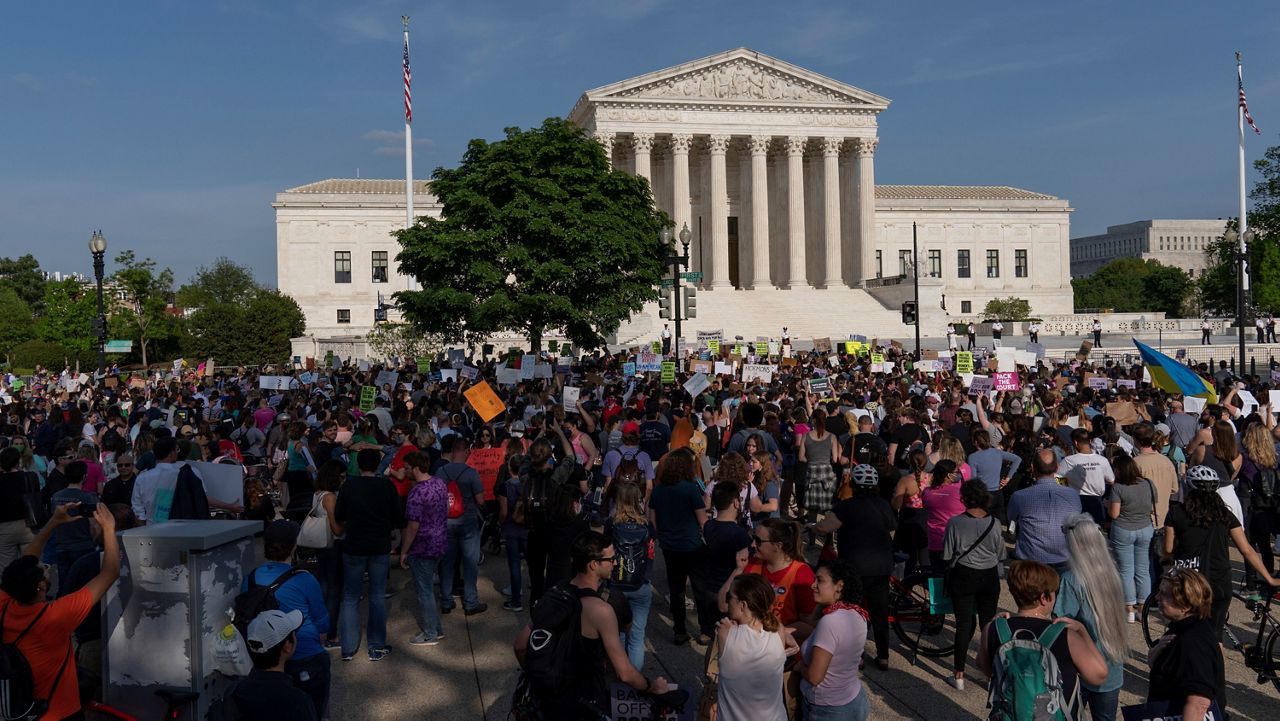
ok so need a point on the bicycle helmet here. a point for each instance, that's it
(1203, 478)
(865, 475)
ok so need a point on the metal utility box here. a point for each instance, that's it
(177, 581)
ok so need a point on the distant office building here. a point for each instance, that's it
(1179, 243)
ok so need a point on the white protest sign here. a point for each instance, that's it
(1099, 383)
(222, 481)
(1023, 358)
(888, 366)
(649, 362)
(387, 378)
(1273, 398)
(1250, 401)
(981, 384)
(508, 376)
(449, 374)
(542, 370)
(726, 369)
(1126, 383)
(758, 371)
(570, 399)
(528, 362)
(1006, 358)
(1192, 404)
(697, 384)
(274, 383)
(833, 361)
(362, 366)
(470, 373)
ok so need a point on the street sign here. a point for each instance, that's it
(118, 346)
(692, 276)
(666, 282)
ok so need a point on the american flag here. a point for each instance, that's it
(1244, 104)
(408, 78)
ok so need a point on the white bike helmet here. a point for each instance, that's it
(865, 475)
(1203, 478)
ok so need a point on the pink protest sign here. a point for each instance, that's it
(1007, 381)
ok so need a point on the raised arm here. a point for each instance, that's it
(110, 554)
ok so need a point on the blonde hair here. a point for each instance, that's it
(626, 503)
(950, 449)
(1258, 444)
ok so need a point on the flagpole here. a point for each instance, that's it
(408, 138)
(1243, 224)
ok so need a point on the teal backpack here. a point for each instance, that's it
(1026, 684)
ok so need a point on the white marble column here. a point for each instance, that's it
(760, 279)
(641, 145)
(831, 209)
(865, 151)
(680, 211)
(606, 140)
(717, 145)
(796, 278)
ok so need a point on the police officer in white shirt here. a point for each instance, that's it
(1206, 328)
(1097, 337)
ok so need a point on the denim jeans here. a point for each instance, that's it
(330, 576)
(633, 640)
(1131, 549)
(353, 570)
(464, 541)
(856, 710)
(424, 577)
(516, 542)
(1102, 704)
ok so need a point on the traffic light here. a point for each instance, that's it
(909, 312)
(664, 304)
(689, 301)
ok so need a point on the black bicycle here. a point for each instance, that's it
(1262, 654)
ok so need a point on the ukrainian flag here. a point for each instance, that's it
(1171, 376)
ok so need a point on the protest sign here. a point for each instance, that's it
(308, 378)
(449, 375)
(487, 461)
(387, 378)
(668, 372)
(773, 347)
(713, 345)
(819, 386)
(1035, 348)
(367, 394)
(701, 366)
(877, 363)
(1007, 381)
(1099, 383)
(469, 372)
(706, 336)
(649, 362)
(1025, 358)
(484, 400)
(528, 362)
(981, 384)
(1275, 376)
(1006, 359)
(697, 384)
(964, 362)
(656, 346)
(458, 356)
(542, 370)
(508, 376)
(570, 399)
(1192, 404)
(822, 345)
(1273, 399)
(1249, 400)
(274, 383)
(762, 348)
(628, 370)
(927, 366)
(628, 704)
(1126, 383)
(833, 361)
(850, 347)
(727, 369)
(758, 371)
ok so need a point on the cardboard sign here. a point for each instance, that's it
(487, 461)
(701, 366)
(1007, 381)
(367, 395)
(981, 384)
(726, 369)
(697, 384)
(822, 345)
(1085, 347)
(668, 372)
(758, 371)
(570, 399)
(484, 400)
(274, 383)
(964, 362)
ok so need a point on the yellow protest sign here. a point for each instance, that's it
(964, 362)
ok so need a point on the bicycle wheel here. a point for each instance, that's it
(1154, 624)
(918, 623)
(1271, 668)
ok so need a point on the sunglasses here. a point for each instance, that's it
(755, 541)
(607, 559)
(124, 465)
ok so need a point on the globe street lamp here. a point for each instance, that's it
(1242, 279)
(98, 246)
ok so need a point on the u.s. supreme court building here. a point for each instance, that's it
(773, 169)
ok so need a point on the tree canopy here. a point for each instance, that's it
(249, 333)
(144, 315)
(226, 281)
(23, 276)
(1010, 308)
(1133, 285)
(538, 232)
(1218, 283)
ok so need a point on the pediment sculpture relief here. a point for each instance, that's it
(738, 80)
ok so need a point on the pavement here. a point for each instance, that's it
(472, 673)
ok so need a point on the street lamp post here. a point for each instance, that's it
(1242, 280)
(98, 247)
(676, 262)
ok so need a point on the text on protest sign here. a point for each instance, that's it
(367, 395)
(758, 371)
(697, 384)
(1007, 381)
(570, 399)
(487, 461)
(981, 384)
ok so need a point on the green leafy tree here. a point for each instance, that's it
(69, 312)
(251, 333)
(16, 322)
(23, 276)
(1134, 285)
(1010, 308)
(1217, 285)
(538, 232)
(147, 291)
(223, 282)
(402, 340)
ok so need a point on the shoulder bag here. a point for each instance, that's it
(316, 532)
(951, 566)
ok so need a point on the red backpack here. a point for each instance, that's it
(454, 496)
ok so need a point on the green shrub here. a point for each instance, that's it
(50, 355)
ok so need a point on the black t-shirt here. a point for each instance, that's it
(1209, 544)
(12, 485)
(271, 694)
(864, 445)
(864, 536)
(369, 507)
(1190, 665)
(907, 436)
(724, 539)
(1060, 650)
(655, 438)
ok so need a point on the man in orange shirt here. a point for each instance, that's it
(46, 627)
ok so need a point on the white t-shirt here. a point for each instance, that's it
(751, 676)
(1088, 473)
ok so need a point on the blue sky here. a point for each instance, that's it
(171, 126)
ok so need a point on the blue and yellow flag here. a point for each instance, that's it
(1171, 376)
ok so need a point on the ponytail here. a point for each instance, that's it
(770, 620)
(787, 535)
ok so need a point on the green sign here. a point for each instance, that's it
(666, 282)
(713, 346)
(328, 359)
(423, 363)
(964, 362)
(118, 346)
(656, 346)
(367, 394)
(819, 386)
(762, 347)
(668, 372)
(693, 277)
(553, 346)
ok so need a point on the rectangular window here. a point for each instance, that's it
(962, 264)
(1020, 263)
(935, 264)
(879, 264)
(344, 315)
(379, 266)
(904, 262)
(966, 306)
(342, 267)
(993, 263)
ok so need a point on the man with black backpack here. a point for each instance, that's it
(571, 635)
(37, 671)
(629, 463)
(292, 589)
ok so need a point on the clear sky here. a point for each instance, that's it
(171, 126)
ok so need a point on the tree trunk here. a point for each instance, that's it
(143, 344)
(535, 339)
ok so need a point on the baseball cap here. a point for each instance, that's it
(630, 428)
(270, 628)
(516, 430)
(281, 533)
(1162, 428)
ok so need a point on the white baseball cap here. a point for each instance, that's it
(270, 628)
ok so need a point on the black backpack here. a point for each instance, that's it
(535, 499)
(17, 683)
(257, 599)
(550, 668)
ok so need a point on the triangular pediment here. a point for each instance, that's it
(739, 76)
